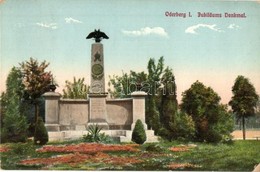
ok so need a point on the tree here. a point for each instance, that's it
(139, 135)
(140, 81)
(76, 89)
(244, 100)
(203, 105)
(14, 125)
(124, 85)
(154, 74)
(168, 98)
(36, 81)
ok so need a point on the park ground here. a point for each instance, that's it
(237, 155)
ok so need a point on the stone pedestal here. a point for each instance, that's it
(52, 111)
(98, 110)
(139, 108)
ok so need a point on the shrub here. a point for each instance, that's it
(94, 135)
(182, 127)
(139, 135)
(41, 135)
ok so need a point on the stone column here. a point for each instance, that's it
(138, 108)
(97, 95)
(52, 111)
(97, 85)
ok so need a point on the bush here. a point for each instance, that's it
(41, 135)
(139, 135)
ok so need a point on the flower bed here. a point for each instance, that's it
(68, 159)
(89, 148)
(4, 149)
(179, 149)
(72, 159)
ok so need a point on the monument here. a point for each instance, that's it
(97, 95)
(67, 119)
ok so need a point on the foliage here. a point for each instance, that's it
(124, 85)
(41, 135)
(202, 104)
(139, 135)
(168, 99)
(94, 135)
(152, 116)
(154, 73)
(76, 89)
(36, 81)
(182, 127)
(13, 122)
(244, 99)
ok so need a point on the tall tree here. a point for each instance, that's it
(14, 125)
(244, 100)
(154, 75)
(76, 89)
(203, 104)
(36, 81)
(168, 97)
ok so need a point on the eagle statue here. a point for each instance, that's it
(98, 35)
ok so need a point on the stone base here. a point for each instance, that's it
(122, 135)
(52, 127)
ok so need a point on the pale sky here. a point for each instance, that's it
(209, 49)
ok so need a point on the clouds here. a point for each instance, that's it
(147, 31)
(72, 20)
(193, 29)
(51, 26)
(233, 26)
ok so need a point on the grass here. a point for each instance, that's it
(238, 156)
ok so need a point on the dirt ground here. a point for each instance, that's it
(250, 134)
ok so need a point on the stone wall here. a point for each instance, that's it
(119, 113)
(73, 114)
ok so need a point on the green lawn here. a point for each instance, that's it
(238, 156)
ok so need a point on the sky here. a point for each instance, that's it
(212, 50)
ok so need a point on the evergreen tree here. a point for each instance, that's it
(168, 105)
(154, 75)
(244, 100)
(14, 125)
(139, 135)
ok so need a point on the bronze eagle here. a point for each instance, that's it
(98, 35)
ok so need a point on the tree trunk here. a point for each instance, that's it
(244, 130)
(36, 112)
